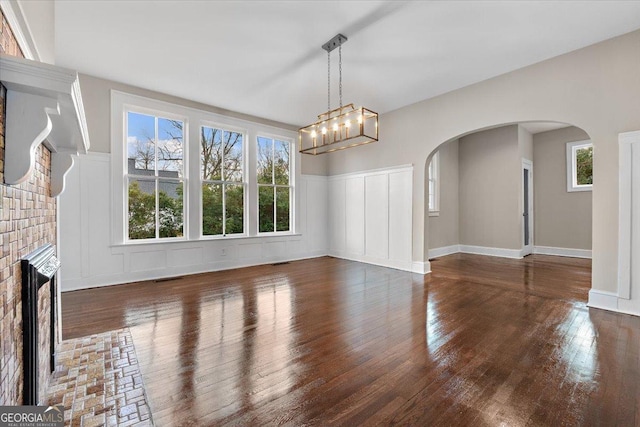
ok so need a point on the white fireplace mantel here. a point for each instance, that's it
(43, 105)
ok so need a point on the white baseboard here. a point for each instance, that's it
(79, 283)
(508, 253)
(611, 302)
(603, 300)
(497, 252)
(443, 251)
(389, 263)
(421, 267)
(477, 250)
(573, 253)
(628, 306)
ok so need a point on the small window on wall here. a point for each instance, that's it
(579, 166)
(434, 185)
(155, 177)
(274, 185)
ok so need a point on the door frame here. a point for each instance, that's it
(527, 165)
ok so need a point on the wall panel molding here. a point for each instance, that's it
(629, 157)
(371, 217)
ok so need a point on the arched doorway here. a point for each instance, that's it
(503, 191)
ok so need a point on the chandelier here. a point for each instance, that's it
(342, 127)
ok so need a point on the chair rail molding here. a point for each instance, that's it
(44, 105)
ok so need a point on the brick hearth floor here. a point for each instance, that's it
(98, 381)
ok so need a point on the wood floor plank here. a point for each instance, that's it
(479, 341)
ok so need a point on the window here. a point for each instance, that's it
(155, 176)
(179, 174)
(434, 185)
(274, 185)
(223, 187)
(579, 166)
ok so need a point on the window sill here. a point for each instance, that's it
(434, 213)
(579, 189)
(204, 239)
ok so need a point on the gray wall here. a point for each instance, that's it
(96, 96)
(596, 89)
(525, 143)
(490, 189)
(562, 219)
(473, 212)
(443, 229)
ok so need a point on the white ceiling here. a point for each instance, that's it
(264, 57)
(538, 127)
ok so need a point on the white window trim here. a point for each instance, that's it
(125, 173)
(244, 182)
(434, 166)
(291, 186)
(194, 118)
(572, 148)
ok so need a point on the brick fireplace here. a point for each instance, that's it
(27, 222)
(42, 128)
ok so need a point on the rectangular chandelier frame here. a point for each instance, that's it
(337, 129)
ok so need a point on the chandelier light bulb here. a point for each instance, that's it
(324, 130)
(347, 123)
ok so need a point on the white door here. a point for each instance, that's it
(527, 207)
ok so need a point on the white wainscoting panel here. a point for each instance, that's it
(274, 250)
(354, 216)
(249, 250)
(371, 217)
(148, 260)
(376, 206)
(400, 221)
(337, 209)
(89, 259)
(70, 226)
(314, 194)
(184, 257)
(96, 228)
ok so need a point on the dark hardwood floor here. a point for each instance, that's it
(480, 341)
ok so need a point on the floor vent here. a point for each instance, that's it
(167, 279)
(281, 263)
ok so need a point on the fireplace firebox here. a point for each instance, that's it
(38, 269)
